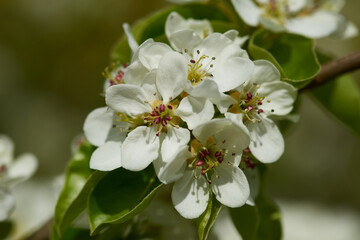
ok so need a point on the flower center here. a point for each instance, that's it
(249, 103)
(206, 157)
(277, 9)
(200, 68)
(160, 117)
(115, 75)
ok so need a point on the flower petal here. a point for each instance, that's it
(234, 137)
(140, 148)
(203, 131)
(248, 11)
(7, 203)
(190, 196)
(205, 89)
(98, 127)
(128, 99)
(171, 169)
(267, 143)
(231, 187)
(318, 25)
(213, 45)
(175, 138)
(232, 73)
(281, 95)
(195, 111)
(184, 39)
(131, 41)
(151, 54)
(107, 157)
(22, 168)
(171, 75)
(135, 73)
(223, 102)
(264, 71)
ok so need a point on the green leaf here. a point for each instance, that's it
(207, 219)
(120, 196)
(262, 221)
(153, 26)
(292, 54)
(5, 229)
(79, 182)
(341, 97)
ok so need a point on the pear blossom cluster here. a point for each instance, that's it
(310, 18)
(191, 109)
(12, 172)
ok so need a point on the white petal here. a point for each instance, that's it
(7, 203)
(132, 43)
(206, 89)
(98, 127)
(135, 73)
(171, 75)
(184, 39)
(213, 45)
(171, 169)
(106, 157)
(320, 24)
(151, 54)
(140, 148)
(264, 71)
(231, 188)
(233, 36)
(190, 196)
(175, 138)
(135, 56)
(203, 131)
(281, 95)
(234, 137)
(6, 150)
(223, 102)
(267, 143)
(149, 86)
(233, 73)
(231, 51)
(248, 11)
(174, 23)
(22, 168)
(201, 27)
(128, 99)
(195, 111)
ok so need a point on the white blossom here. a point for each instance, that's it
(12, 172)
(313, 18)
(260, 98)
(213, 166)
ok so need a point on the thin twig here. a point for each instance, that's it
(335, 68)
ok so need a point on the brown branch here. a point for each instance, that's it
(335, 68)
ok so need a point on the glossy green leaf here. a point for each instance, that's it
(79, 182)
(262, 221)
(120, 196)
(341, 97)
(292, 54)
(207, 219)
(153, 26)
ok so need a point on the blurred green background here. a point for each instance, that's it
(52, 54)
